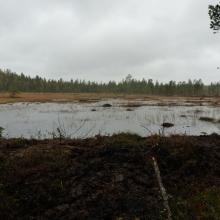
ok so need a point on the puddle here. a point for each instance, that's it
(81, 120)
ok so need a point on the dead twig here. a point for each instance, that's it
(162, 189)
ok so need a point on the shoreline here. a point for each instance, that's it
(95, 97)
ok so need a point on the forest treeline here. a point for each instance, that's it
(12, 82)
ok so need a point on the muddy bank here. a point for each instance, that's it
(109, 178)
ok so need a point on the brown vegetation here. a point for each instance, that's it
(94, 97)
(110, 178)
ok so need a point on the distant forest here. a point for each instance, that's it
(12, 82)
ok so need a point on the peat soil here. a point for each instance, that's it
(110, 178)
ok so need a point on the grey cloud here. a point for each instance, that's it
(105, 40)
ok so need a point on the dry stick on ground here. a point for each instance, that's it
(162, 189)
(160, 183)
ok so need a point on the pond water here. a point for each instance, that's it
(82, 120)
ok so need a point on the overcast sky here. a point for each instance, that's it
(107, 39)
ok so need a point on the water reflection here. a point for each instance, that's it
(81, 120)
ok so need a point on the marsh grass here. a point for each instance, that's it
(207, 119)
(1, 131)
(37, 176)
(203, 205)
